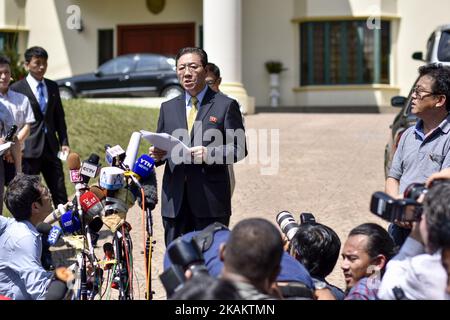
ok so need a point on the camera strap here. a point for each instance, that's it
(205, 238)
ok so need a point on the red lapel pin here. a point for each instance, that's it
(212, 119)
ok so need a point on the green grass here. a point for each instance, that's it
(91, 126)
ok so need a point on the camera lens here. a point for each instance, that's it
(287, 224)
(414, 191)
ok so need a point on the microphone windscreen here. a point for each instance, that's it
(96, 224)
(94, 158)
(44, 228)
(99, 192)
(144, 166)
(74, 161)
(70, 222)
(132, 149)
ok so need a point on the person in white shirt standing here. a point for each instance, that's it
(19, 107)
(14, 109)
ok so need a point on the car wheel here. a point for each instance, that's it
(171, 92)
(66, 93)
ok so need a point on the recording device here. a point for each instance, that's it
(90, 168)
(11, 133)
(114, 156)
(91, 205)
(74, 164)
(184, 256)
(132, 149)
(287, 224)
(56, 215)
(401, 210)
(51, 233)
(112, 178)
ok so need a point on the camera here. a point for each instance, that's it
(184, 256)
(289, 226)
(402, 210)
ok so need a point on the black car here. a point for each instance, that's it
(403, 120)
(131, 75)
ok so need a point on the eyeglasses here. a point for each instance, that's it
(419, 93)
(192, 67)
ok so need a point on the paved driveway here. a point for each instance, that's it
(329, 165)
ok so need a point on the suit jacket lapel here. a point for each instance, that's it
(33, 101)
(207, 102)
(50, 96)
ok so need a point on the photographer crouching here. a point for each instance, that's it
(417, 271)
(22, 276)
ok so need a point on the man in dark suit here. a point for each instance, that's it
(196, 189)
(42, 146)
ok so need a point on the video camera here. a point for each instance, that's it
(399, 210)
(184, 256)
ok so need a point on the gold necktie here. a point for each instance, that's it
(192, 113)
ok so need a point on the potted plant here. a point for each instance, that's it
(274, 68)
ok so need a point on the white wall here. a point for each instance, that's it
(72, 52)
(268, 34)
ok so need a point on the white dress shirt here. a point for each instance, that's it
(34, 84)
(421, 276)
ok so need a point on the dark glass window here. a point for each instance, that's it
(8, 41)
(105, 45)
(444, 47)
(344, 52)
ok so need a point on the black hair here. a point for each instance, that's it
(437, 214)
(254, 250)
(205, 287)
(318, 248)
(22, 191)
(194, 50)
(5, 60)
(441, 76)
(35, 51)
(211, 67)
(379, 241)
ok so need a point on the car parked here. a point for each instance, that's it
(402, 121)
(438, 47)
(131, 75)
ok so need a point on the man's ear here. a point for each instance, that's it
(377, 264)
(441, 102)
(222, 251)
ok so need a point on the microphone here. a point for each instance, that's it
(149, 185)
(11, 133)
(132, 149)
(112, 178)
(70, 222)
(114, 156)
(143, 166)
(74, 164)
(53, 233)
(90, 167)
(56, 215)
(91, 205)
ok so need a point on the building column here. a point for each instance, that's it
(222, 37)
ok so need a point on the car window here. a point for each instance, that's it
(430, 45)
(147, 63)
(444, 47)
(117, 65)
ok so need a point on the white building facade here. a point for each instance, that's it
(340, 53)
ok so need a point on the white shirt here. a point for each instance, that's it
(22, 276)
(421, 276)
(34, 84)
(19, 106)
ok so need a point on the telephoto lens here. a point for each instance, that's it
(287, 224)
